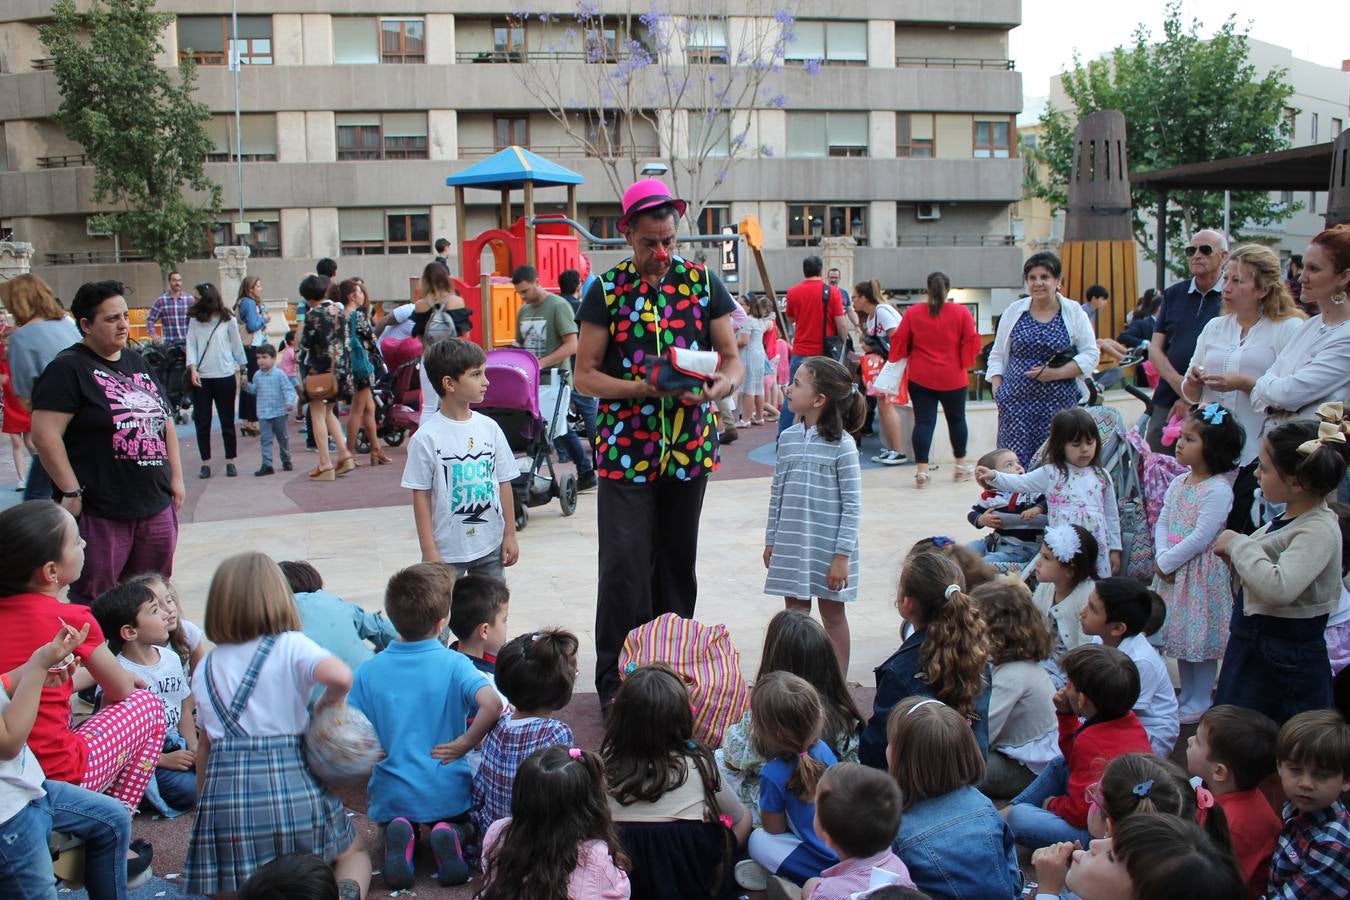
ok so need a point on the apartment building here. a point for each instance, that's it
(898, 131)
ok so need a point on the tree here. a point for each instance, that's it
(1185, 100)
(686, 76)
(138, 124)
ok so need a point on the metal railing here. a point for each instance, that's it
(952, 62)
(43, 64)
(62, 162)
(955, 240)
(92, 257)
(562, 150)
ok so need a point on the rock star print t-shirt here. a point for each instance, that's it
(116, 436)
(461, 463)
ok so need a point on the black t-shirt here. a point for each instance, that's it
(116, 436)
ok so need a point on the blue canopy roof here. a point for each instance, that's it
(512, 168)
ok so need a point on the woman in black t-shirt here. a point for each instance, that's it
(104, 431)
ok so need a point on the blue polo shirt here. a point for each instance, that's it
(1184, 315)
(417, 695)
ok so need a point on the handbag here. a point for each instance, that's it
(1061, 357)
(321, 386)
(832, 345)
(362, 370)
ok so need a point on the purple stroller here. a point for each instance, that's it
(512, 401)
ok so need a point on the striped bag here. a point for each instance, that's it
(704, 658)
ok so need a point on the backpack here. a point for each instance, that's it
(706, 661)
(440, 327)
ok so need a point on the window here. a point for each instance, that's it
(382, 136)
(602, 221)
(263, 237)
(602, 45)
(204, 39)
(833, 43)
(365, 232)
(1336, 126)
(508, 41)
(707, 41)
(815, 135)
(402, 41)
(1289, 117)
(510, 131)
(604, 136)
(808, 223)
(993, 140)
(1287, 199)
(711, 220)
(1313, 133)
(914, 135)
(710, 134)
(355, 41)
(258, 133)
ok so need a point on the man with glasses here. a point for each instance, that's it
(1186, 307)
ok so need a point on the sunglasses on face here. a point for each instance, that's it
(1202, 249)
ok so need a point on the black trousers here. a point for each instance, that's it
(221, 392)
(248, 404)
(648, 550)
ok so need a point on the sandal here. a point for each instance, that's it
(921, 479)
(377, 458)
(346, 465)
(963, 472)
(323, 473)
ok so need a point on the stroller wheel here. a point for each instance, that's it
(522, 517)
(394, 438)
(362, 442)
(567, 493)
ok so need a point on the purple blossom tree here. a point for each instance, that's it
(675, 84)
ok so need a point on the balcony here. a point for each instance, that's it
(952, 62)
(92, 257)
(62, 162)
(566, 151)
(523, 56)
(955, 240)
(43, 64)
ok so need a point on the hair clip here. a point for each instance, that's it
(951, 589)
(941, 540)
(691, 744)
(1064, 542)
(630, 668)
(536, 636)
(1143, 789)
(1214, 414)
(726, 821)
(1204, 800)
(574, 752)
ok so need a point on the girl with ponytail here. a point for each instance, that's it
(946, 656)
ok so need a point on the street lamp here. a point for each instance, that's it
(654, 170)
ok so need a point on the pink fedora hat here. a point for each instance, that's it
(645, 194)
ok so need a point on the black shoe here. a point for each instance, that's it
(286, 465)
(264, 470)
(205, 472)
(145, 854)
(728, 437)
(586, 480)
(230, 470)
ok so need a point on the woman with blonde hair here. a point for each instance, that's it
(1235, 348)
(44, 330)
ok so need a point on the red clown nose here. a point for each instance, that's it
(662, 256)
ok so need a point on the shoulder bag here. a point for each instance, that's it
(832, 345)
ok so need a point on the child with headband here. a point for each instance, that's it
(1064, 571)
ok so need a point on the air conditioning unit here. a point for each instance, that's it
(928, 212)
(91, 231)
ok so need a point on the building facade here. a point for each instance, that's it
(898, 131)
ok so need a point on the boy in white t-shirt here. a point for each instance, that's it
(137, 628)
(459, 469)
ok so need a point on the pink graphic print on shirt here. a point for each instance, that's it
(138, 417)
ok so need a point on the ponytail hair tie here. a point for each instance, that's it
(804, 754)
(1143, 789)
(574, 752)
(1204, 800)
(951, 589)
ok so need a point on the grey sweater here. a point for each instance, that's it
(36, 344)
(1293, 573)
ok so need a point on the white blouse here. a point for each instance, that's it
(1221, 349)
(1076, 322)
(1313, 368)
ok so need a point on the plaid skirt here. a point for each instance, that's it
(259, 801)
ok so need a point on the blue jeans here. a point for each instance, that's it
(1003, 552)
(178, 789)
(100, 821)
(589, 408)
(785, 415)
(1035, 827)
(275, 428)
(577, 450)
(490, 565)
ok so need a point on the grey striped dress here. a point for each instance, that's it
(815, 506)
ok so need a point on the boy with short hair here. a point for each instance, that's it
(137, 630)
(857, 816)
(1312, 856)
(460, 468)
(418, 695)
(1096, 724)
(1233, 750)
(478, 619)
(1017, 520)
(275, 394)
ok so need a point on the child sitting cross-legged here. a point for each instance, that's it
(1233, 751)
(1312, 856)
(478, 619)
(137, 631)
(857, 816)
(1122, 613)
(418, 694)
(536, 673)
(1096, 724)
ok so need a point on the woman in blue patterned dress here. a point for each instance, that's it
(1034, 329)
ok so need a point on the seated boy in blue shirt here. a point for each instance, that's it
(478, 619)
(419, 694)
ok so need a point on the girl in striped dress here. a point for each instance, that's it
(258, 799)
(811, 542)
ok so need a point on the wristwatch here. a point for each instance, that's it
(71, 495)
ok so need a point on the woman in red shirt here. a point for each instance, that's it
(941, 344)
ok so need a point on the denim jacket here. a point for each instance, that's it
(958, 846)
(899, 677)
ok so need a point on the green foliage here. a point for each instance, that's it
(137, 122)
(1185, 100)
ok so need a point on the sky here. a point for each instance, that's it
(1052, 30)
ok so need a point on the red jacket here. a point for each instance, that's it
(941, 349)
(1088, 748)
(1256, 829)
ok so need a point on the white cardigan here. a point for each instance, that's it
(1076, 322)
(1313, 368)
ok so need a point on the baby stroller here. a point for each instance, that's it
(512, 401)
(168, 362)
(398, 406)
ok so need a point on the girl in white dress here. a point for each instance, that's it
(752, 359)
